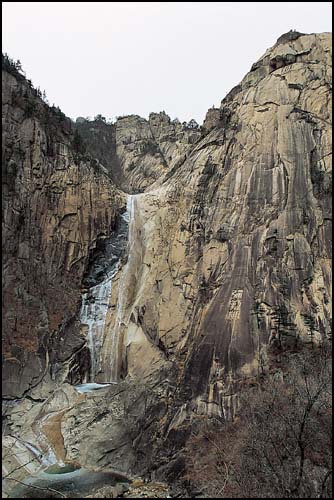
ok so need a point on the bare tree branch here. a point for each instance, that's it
(37, 487)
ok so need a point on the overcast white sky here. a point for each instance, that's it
(118, 58)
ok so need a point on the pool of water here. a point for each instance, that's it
(55, 482)
(92, 386)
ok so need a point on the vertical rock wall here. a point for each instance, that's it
(55, 208)
(236, 241)
(229, 264)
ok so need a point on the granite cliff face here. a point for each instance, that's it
(138, 152)
(235, 243)
(227, 265)
(56, 208)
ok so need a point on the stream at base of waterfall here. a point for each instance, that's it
(35, 453)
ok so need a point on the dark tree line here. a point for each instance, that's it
(15, 68)
(11, 66)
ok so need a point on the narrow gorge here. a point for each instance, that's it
(156, 272)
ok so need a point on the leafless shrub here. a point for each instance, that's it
(280, 446)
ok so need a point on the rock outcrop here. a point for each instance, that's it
(150, 150)
(228, 263)
(235, 244)
(56, 208)
(138, 152)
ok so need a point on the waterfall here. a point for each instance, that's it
(93, 314)
(95, 303)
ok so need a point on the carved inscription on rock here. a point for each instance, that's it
(235, 305)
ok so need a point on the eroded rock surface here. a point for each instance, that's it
(56, 207)
(235, 245)
(228, 265)
(149, 150)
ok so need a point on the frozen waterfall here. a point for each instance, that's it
(95, 304)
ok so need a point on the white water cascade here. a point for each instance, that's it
(93, 314)
(95, 303)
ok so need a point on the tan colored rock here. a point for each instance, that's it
(229, 263)
(216, 236)
(147, 151)
(213, 119)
